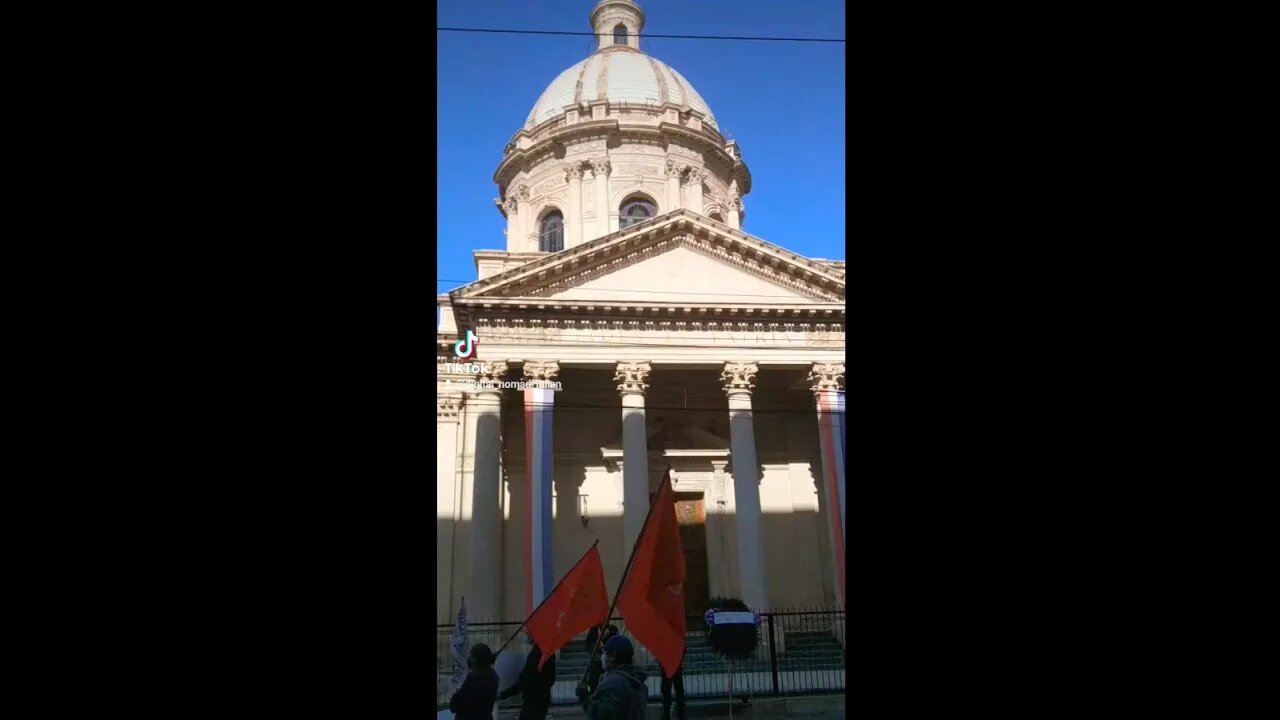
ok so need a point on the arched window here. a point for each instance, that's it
(551, 235)
(619, 34)
(634, 211)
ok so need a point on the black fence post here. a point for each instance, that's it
(773, 656)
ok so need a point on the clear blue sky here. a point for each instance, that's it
(783, 102)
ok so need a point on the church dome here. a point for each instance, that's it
(617, 74)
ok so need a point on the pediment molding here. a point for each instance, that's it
(817, 281)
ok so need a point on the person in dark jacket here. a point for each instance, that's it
(676, 681)
(535, 684)
(622, 694)
(595, 666)
(475, 699)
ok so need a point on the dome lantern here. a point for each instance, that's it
(617, 24)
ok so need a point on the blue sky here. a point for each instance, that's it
(783, 102)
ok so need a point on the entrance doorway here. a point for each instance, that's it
(691, 513)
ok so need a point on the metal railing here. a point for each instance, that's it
(800, 652)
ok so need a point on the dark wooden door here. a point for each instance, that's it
(691, 512)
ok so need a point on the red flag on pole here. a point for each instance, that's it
(652, 596)
(577, 604)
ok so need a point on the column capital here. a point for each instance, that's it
(522, 192)
(491, 373)
(541, 370)
(448, 405)
(511, 203)
(633, 377)
(675, 169)
(600, 167)
(826, 376)
(573, 172)
(739, 378)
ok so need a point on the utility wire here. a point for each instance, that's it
(642, 36)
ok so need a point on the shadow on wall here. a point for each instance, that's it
(796, 564)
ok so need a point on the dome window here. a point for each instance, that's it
(551, 235)
(636, 211)
(620, 34)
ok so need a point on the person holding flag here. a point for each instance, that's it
(651, 600)
(535, 681)
(578, 602)
(622, 694)
(651, 597)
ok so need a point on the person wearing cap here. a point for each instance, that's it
(622, 694)
(534, 683)
(475, 699)
(595, 649)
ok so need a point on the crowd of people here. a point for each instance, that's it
(614, 688)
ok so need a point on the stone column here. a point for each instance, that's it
(573, 215)
(513, 224)
(695, 180)
(538, 469)
(601, 170)
(739, 381)
(674, 170)
(734, 210)
(448, 406)
(526, 221)
(632, 378)
(484, 601)
(827, 384)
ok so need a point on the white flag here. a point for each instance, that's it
(458, 647)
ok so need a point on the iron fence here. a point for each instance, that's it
(800, 652)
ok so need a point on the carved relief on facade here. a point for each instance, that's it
(632, 377)
(546, 186)
(684, 152)
(739, 377)
(638, 170)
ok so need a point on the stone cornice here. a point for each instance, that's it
(707, 140)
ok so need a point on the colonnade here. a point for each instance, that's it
(484, 424)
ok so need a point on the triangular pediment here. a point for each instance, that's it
(677, 257)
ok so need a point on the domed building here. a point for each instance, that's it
(629, 328)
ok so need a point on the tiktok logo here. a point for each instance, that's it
(466, 347)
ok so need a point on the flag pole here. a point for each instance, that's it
(548, 597)
(666, 478)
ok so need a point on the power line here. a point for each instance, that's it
(643, 36)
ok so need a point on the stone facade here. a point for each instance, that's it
(681, 344)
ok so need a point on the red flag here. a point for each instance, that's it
(652, 596)
(577, 604)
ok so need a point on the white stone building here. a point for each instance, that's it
(627, 277)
